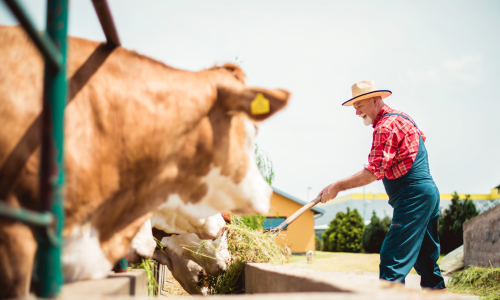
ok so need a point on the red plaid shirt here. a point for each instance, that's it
(395, 145)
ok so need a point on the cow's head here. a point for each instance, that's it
(211, 255)
(223, 174)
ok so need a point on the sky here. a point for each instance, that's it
(441, 60)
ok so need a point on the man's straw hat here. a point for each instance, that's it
(365, 89)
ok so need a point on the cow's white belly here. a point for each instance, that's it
(250, 196)
(82, 255)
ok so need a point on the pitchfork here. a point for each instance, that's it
(295, 216)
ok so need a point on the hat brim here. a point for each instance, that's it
(381, 93)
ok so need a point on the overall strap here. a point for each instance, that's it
(396, 114)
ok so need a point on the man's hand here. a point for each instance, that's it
(329, 193)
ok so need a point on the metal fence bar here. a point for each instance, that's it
(26, 216)
(163, 278)
(49, 269)
(108, 25)
(42, 42)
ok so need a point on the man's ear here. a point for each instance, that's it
(258, 103)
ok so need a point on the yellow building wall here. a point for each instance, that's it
(300, 234)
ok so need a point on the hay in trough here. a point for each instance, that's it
(246, 245)
(149, 266)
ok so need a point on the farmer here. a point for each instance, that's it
(398, 157)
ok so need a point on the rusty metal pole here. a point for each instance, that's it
(49, 269)
(108, 25)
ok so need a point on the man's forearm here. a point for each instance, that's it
(362, 178)
(359, 179)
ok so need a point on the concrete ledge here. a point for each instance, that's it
(266, 278)
(341, 296)
(133, 282)
(482, 239)
(302, 296)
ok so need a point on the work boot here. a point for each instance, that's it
(429, 290)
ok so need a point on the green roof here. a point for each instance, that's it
(316, 210)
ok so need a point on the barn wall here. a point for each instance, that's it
(482, 239)
(300, 234)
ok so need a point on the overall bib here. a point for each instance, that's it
(412, 240)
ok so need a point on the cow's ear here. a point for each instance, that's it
(260, 104)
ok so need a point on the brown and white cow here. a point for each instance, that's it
(137, 132)
(174, 222)
(190, 259)
(188, 273)
(210, 253)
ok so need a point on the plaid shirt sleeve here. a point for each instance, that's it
(384, 149)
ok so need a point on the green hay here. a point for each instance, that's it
(483, 282)
(245, 245)
(149, 266)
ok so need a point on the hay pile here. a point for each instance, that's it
(149, 266)
(245, 245)
(483, 282)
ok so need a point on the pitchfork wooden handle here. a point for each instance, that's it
(298, 213)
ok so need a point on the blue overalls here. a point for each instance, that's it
(412, 240)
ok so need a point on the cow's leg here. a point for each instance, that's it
(17, 253)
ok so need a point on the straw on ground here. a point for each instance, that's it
(483, 282)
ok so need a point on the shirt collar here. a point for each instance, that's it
(385, 109)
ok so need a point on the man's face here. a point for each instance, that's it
(367, 109)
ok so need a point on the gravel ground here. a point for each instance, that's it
(173, 288)
(342, 262)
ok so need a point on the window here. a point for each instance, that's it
(273, 222)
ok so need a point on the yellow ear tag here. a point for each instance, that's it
(259, 105)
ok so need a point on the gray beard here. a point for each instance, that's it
(367, 121)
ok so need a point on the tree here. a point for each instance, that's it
(329, 242)
(450, 228)
(265, 165)
(345, 232)
(375, 232)
(318, 243)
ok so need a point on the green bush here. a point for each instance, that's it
(375, 232)
(345, 232)
(318, 243)
(451, 234)
(256, 222)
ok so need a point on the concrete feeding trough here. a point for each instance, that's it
(265, 281)
(130, 283)
(272, 279)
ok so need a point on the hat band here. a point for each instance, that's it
(373, 92)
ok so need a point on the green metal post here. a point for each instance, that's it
(43, 43)
(49, 269)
